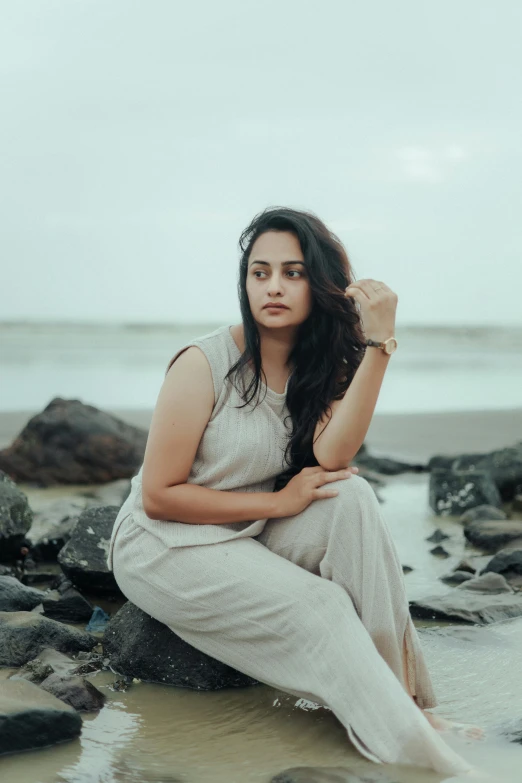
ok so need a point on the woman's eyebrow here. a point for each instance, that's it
(284, 263)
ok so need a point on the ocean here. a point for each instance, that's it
(435, 369)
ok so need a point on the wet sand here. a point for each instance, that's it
(415, 436)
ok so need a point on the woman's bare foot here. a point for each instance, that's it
(443, 725)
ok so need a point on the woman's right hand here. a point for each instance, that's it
(307, 486)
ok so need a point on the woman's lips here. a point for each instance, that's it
(275, 307)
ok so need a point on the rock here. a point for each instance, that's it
(31, 718)
(84, 558)
(503, 465)
(468, 606)
(507, 562)
(406, 569)
(465, 565)
(487, 583)
(452, 492)
(439, 551)
(16, 597)
(387, 466)
(48, 662)
(456, 577)
(482, 512)
(72, 443)
(437, 536)
(517, 503)
(24, 634)
(15, 519)
(75, 691)
(68, 607)
(52, 527)
(491, 535)
(139, 646)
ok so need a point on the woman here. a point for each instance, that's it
(246, 531)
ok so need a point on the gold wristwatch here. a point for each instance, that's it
(388, 346)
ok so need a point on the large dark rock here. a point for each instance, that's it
(24, 634)
(452, 492)
(84, 558)
(482, 512)
(73, 443)
(31, 718)
(16, 597)
(15, 518)
(491, 535)
(139, 646)
(507, 562)
(504, 466)
(490, 583)
(68, 606)
(468, 606)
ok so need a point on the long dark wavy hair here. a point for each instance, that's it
(330, 344)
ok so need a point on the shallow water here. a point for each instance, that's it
(160, 733)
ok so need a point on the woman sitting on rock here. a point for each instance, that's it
(246, 530)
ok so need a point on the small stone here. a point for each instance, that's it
(439, 551)
(456, 577)
(437, 536)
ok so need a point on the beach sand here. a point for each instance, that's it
(415, 436)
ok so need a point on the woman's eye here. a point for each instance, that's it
(290, 272)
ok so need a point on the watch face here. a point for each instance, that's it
(391, 345)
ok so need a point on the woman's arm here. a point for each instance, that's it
(339, 438)
(182, 412)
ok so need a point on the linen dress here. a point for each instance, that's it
(312, 604)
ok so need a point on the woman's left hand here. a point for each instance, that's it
(378, 306)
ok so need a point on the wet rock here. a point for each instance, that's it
(406, 569)
(465, 565)
(439, 551)
(517, 503)
(482, 512)
(437, 536)
(487, 583)
(456, 577)
(31, 718)
(15, 518)
(52, 527)
(16, 597)
(24, 634)
(452, 492)
(491, 535)
(507, 562)
(329, 775)
(72, 443)
(139, 646)
(503, 465)
(49, 661)
(37, 577)
(75, 691)
(68, 607)
(84, 558)
(468, 606)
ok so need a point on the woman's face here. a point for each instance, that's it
(276, 273)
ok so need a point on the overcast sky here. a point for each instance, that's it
(138, 139)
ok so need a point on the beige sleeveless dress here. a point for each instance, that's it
(240, 451)
(313, 604)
